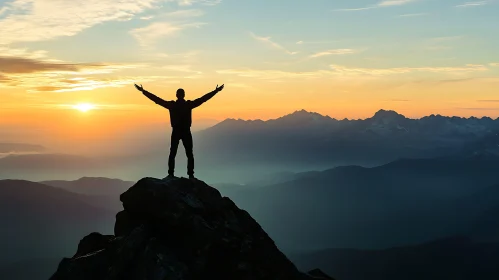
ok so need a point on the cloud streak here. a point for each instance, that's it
(185, 13)
(41, 20)
(340, 71)
(30, 20)
(404, 70)
(472, 4)
(382, 4)
(150, 34)
(11, 65)
(389, 3)
(334, 52)
(37, 73)
(269, 42)
(413, 15)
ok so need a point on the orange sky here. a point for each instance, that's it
(397, 55)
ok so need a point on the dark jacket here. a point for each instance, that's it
(180, 110)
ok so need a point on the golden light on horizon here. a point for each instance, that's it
(84, 107)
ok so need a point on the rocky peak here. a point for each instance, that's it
(388, 115)
(180, 229)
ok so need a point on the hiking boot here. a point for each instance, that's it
(170, 176)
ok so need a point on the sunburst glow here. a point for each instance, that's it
(84, 107)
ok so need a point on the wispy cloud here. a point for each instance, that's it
(334, 52)
(202, 2)
(489, 100)
(3, 10)
(404, 70)
(447, 38)
(39, 20)
(356, 9)
(494, 64)
(382, 4)
(175, 15)
(41, 83)
(181, 68)
(413, 15)
(438, 48)
(12, 65)
(436, 44)
(147, 36)
(301, 42)
(35, 72)
(185, 13)
(388, 3)
(47, 19)
(340, 71)
(472, 4)
(269, 74)
(269, 42)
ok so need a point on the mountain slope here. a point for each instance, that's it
(404, 202)
(451, 258)
(92, 186)
(39, 269)
(40, 221)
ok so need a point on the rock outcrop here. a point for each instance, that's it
(179, 229)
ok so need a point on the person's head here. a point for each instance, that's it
(180, 93)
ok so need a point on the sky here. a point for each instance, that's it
(342, 58)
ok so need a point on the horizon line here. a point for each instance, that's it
(359, 119)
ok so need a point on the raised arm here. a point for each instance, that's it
(206, 97)
(153, 97)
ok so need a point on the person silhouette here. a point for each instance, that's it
(181, 121)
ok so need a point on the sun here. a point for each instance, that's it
(84, 107)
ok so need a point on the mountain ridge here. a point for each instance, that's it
(377, 114)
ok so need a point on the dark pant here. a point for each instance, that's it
(185, 135)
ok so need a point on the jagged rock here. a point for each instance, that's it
(177, 230)
(91, 243)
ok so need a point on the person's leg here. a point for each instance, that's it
(188, 145)
(175, 139)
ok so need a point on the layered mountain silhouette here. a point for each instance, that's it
(30, 269)
(312, 138)
(456, 258)
(98, 191)
(404, 202)
(40, 221)
(180, 229)
(43, 166)
(299, 141)
(92, 185)
(20, 148)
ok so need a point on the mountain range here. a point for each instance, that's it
(309, 137)
(456, 258)
(237, 149)
(407, 201)
(40, 221)
(402, 204)
(20, 147)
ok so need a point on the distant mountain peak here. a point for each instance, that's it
(304, 114)
(388, 114)
(385, 117)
